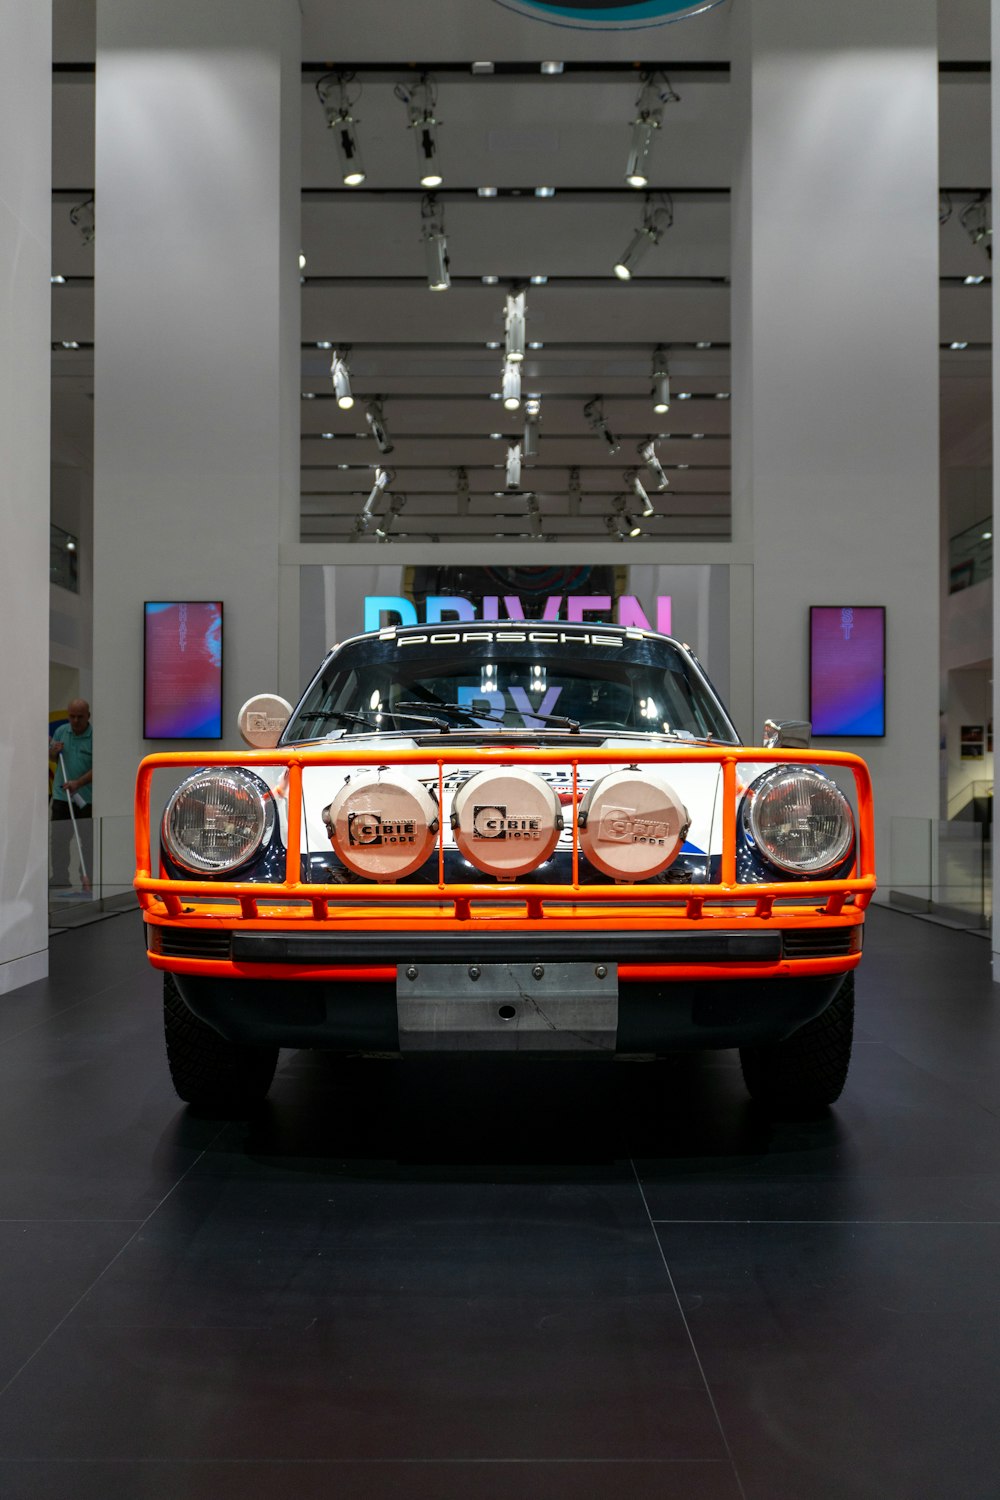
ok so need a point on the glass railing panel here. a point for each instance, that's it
(970, 556)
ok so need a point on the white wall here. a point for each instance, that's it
(25, 266)
(196, 422)
(835, 393)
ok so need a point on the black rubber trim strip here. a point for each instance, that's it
(506, 947)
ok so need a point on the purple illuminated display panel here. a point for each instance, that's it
(183, 670)
(847, 670)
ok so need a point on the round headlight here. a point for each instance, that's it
(801, 821)
(217, 819)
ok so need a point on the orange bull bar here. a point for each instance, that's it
(296, 906)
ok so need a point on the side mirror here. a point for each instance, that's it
(787, 734)
(261, 720)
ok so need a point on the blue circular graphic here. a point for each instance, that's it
(608, 15)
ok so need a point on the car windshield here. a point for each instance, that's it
(477, 680)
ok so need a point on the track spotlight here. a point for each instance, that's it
(435, 244)
(655, 222)
(375, 418)
(383, 479)
(975, 220)
(387, 521)
(620, 523)
(573, 490)
(82, 218)
(462, 491)
(341, 377)
(338, 102)
(514, 466)
(638, 489)
(420, 101)
(529, 442)
(593, 413)
(514, 319)
(511, 386)
(647, 452)
(654, 94)
(661, 383)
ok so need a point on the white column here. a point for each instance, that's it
(835, 352)
(196, 345)
(25, 262)
(995, 117)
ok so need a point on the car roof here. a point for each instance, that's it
(583, 628)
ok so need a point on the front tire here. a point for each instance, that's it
(807, 1070)
(215, 1076)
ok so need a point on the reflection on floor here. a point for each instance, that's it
(486, 1281)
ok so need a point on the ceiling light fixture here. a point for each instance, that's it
(550, 69)
(57, 281)
(486, 192)
(959, 344)
(489, 280)
(529, 441)
(545, 192)
(341, 376)
(375, 417)
(514, 466)
(655, 222)
(515, 314)
(82, 218)
(420, 100)
(638, 489)
(703, 344)
(975, 220)
(511, 386)
(647, 452)
(593, 413)
(661, 381)
(383, 479)
(969, 280)
(656, 91)
(341, 119)
(538, 280)
(482, 67)
(435, 244)
(387, 522)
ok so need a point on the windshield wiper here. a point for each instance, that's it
(496, 717)
(367, 719)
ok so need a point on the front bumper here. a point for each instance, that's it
(714, 964)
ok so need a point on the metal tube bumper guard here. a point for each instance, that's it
(507, 966)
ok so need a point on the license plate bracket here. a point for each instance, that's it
(499, 1007)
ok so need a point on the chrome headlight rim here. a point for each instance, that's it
(841, 854)
(247, 782)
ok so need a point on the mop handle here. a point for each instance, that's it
(72, 818)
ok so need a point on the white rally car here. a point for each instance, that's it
(512, 838)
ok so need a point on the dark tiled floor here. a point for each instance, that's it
(538, 1281)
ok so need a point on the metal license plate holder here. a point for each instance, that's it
(499, 1007)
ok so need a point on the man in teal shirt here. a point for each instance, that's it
(72, 748)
